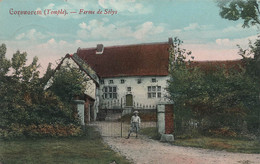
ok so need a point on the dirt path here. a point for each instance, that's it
(147, 151)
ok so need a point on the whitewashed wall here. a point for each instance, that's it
(139, 91)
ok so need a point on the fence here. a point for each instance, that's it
(116, 122)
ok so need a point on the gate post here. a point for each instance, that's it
(80, 110)
(121, 119)
(165, 121)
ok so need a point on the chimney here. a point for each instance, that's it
(100, 49)
(170, 41)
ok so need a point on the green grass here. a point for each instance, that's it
(151, 133)
(85, 149)
(228, 144)
(231, 145)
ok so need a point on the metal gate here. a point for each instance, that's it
(116, 122)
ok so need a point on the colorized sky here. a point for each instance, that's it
(51, 36)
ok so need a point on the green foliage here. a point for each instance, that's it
(23, 100)
(218, 99)
(251, 59)
(5, 64)
(48, 74)
(68, 82)
(247, 10)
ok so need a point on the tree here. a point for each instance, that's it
(23, 102)
(217, 99)
(69, 82)
(247, 10)
(5, 64)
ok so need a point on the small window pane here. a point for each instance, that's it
(105, 96)
(122, 81)
(129, 89)
(110, 89)
(149, 89)
(105, 89)
(153, 88)
(110, 95)
(159, 94)
(114, 89)
(159, 88)
(102, 81)
(114, 95)
(153, 80)
(111, 81)
(149, 95)
(154, 94)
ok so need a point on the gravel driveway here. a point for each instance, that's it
(147, 151)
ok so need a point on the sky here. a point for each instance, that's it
(50, 36)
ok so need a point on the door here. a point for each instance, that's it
(129, 100)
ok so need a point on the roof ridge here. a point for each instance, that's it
(128, 45)
(204, 61)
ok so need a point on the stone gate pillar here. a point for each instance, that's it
(80, 109)
(165, 121)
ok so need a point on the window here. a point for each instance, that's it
(139, 81)
(122, 81)
(109, 92)
(129, 89)
(154, 91)
(159, 94)
(153, 80)
(111, 82)
(102, 81)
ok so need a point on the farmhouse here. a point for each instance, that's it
(122, 77)
(135, 74)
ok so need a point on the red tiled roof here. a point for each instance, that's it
(128, 60)
(208, 66)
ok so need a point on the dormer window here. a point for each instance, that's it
(111, 81)
(100, 49)
(139, 81)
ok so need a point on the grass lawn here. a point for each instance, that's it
(228, 144)
(232, 145)
(85, 149)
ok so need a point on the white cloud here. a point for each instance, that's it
(20, 36)
(146, 29)
(51, 41)
(222, 41)
(232, 43)
(127, 5)
(192, 26)
(102, 3)
(196, 26)
(31, 34)
(100, 29)
(83, 25)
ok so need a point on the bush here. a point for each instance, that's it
(223, 132)
(25, 108)
(42, 130)
(218, 99)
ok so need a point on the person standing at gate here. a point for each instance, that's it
(135, 124)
